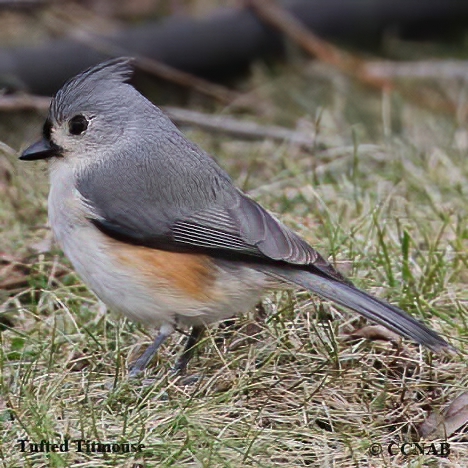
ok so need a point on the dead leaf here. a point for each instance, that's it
(445, 424)
(376, 332)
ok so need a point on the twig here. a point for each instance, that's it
(238, 128)
(151, 66)
(283, 20)
(187, 80)
(20, 102)
(161, 70)
(424, 69)
(352, 65)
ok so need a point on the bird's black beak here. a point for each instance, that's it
(42, 149)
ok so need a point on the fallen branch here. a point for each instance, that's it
(283, 20)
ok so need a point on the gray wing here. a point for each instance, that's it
(244, 226)
(160, 203)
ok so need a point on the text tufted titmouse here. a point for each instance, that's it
(158, 230)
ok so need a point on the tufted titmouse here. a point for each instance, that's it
(158, 230)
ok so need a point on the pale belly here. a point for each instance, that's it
(120, 277)
(152, 298)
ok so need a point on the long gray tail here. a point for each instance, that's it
(370, 307)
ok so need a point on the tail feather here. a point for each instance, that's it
(370, 307)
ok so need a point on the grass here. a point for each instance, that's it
(384, 194)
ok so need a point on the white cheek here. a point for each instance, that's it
(72, 146)
(61, 138)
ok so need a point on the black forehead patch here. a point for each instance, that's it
(47, 129)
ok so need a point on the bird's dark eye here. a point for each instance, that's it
(77, 125)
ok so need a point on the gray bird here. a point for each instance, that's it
(157, 229)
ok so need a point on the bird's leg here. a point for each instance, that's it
(140, 364)
(190, 344)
